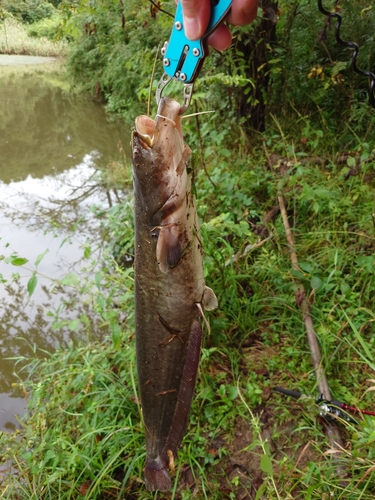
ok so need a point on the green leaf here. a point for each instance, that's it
(297, 274)
(70, 279)
(261, 490)
(31, 284)
(232, 392)
(18, 261)
(266, 465)
(40, 257)
(87, 252)
(53, 477)
(116, 335)
(49, 455)
(306, 266)
(98, 278)
(344, 287)
(209, 412)
(74, 325)
(207, 393)
(316, 282)
(351, 161)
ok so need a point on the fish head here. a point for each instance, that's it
(157, 151)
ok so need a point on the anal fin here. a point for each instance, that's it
(186, 391)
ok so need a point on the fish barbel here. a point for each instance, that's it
(170, 290)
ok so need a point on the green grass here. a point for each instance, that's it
(84, 434)
(14, 39)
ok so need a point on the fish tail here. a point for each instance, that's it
(156, 475)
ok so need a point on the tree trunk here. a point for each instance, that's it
(252, 105)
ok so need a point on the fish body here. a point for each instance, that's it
(170, 289)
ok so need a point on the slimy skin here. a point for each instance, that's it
(170, 290)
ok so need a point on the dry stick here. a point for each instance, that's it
(332, 431)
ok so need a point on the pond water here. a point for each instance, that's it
(51, 145)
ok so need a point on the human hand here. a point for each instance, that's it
(197, 15)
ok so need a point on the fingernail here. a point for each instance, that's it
(191, 28)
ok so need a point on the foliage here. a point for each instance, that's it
(47, 27)
(29, 11)
(15, 39)
(114, 46)
(313, 75)
(83, 400)
(107, 56)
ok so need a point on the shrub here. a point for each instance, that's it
(47, 27)
(30, 11)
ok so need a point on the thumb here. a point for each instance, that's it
(196, 17)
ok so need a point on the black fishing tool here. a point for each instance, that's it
(329, 410)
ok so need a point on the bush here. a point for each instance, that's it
(30, 11)
(47, 27)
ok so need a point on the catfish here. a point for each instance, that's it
(170, 290)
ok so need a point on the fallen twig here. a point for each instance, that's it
(332, 431)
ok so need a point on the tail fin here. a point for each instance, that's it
(156, 475)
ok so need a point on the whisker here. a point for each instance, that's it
(151, 81)
(166, 118)
(200, 113)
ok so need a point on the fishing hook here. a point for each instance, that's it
(355, 47)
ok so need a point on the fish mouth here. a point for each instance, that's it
(151, 132)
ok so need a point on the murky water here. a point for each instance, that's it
(50, 147)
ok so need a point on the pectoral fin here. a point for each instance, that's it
(168, 248)
(209, 300)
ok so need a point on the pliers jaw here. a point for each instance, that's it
(183, 58)
(188, 92)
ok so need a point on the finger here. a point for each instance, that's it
(196, 17)
(243, 12)
(221, 38)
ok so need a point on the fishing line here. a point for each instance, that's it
(355, 47)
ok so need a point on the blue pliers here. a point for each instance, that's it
(183, 58)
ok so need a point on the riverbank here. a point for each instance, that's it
(15, 39)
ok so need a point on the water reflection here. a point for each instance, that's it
(43, 129)
(51, 145)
